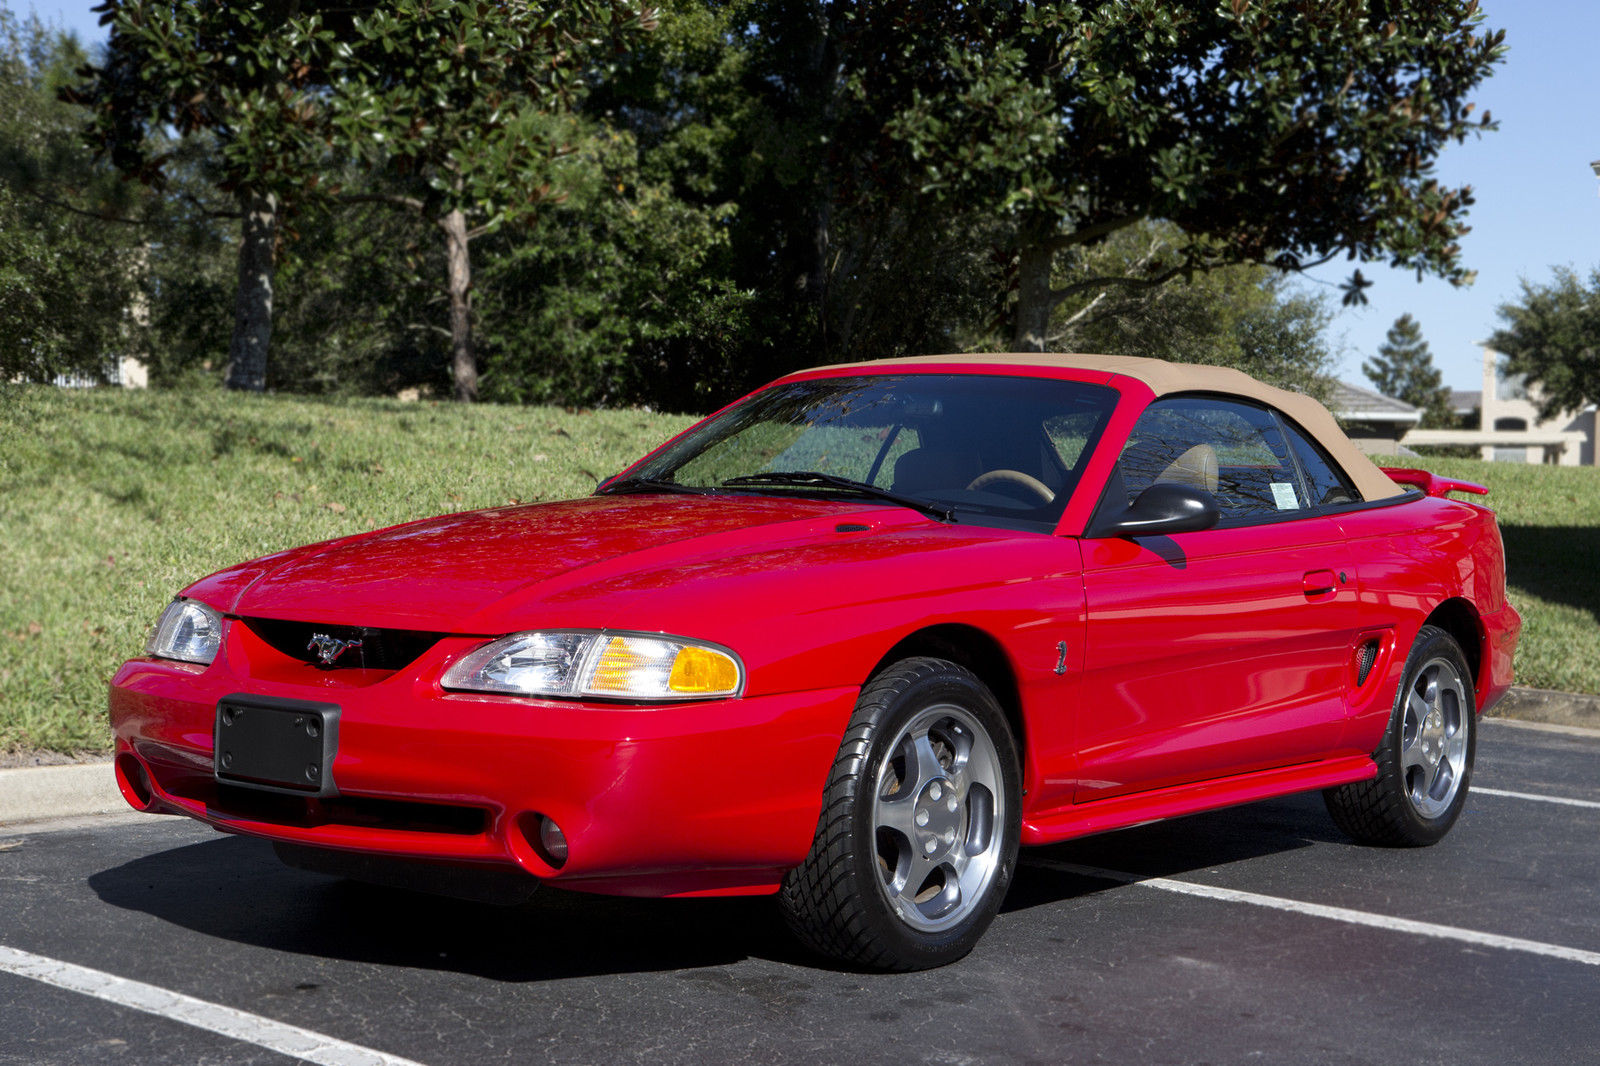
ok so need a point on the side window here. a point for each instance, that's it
(1233, 450)
(1328, 484)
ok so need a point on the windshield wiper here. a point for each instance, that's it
(651, 484)
(816, 477)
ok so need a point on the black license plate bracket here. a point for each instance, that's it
(275, 744)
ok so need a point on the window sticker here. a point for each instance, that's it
(1283, 495)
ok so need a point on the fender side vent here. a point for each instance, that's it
(1366, 655)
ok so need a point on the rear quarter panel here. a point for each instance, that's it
(1411, 557)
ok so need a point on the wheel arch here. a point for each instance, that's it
(1459, 618)
(976, 650)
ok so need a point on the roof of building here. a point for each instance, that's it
(1355, 404)
(1466, 401)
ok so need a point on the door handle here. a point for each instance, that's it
(1319, 583)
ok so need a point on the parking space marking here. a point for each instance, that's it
(1478, 791)
(239, 1025)
(1337, 914)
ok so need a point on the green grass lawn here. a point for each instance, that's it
(111, 501)
(1550, 519)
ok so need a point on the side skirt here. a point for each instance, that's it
(1119, 812)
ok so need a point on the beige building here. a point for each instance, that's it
(1510, 429)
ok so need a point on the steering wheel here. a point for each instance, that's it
(1015, 477)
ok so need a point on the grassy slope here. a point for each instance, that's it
(1550, 519)
(110, 502)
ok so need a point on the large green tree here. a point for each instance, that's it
(450, 103)
(1552, 337)
(1245, 316)
(1403, 368)
(1269, 131)
(247, 80)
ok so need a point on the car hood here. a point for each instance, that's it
(486, 571)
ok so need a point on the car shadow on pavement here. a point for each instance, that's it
(235, 889)
(1173, 848)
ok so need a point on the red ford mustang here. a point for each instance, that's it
(852, 640)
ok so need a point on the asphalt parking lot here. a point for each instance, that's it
(1252, 935)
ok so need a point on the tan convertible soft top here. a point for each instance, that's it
(1165, 378)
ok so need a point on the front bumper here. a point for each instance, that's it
(720, 797)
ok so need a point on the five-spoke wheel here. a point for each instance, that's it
(936, 814)
(918, 835)
(1425, 760)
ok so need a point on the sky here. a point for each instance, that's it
(1538, 200)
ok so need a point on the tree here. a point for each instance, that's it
(1403, 369)
(620, 294)
(1269, 131)
(1552, 337)
(1244, 316)
(248, 81)
(451, 100)
(68, 258)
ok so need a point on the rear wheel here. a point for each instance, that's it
(1425, 761)
(917, 840)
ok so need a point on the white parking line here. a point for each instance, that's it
(1337, 914)
(1479, 791)
(289, 1040)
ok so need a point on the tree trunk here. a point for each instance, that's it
(1034, 302)
(252, 301)
(463, 360)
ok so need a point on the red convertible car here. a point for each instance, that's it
(852, 640)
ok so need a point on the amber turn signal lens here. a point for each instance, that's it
(701, 671)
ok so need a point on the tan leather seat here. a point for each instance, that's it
(1196, 468)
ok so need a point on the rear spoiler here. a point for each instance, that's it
(1430, 483)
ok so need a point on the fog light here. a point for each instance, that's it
(552, 842)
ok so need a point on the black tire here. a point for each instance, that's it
(911, 859)
(1425, 760)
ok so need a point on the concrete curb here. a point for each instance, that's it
(34, 793)
(37, 793)
(1549, 707)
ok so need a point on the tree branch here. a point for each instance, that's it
(410, 203)
(1132, 284)
(97, 216)
(1077, 316)
(1062, 242)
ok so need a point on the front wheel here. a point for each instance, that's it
(917, 840)
(1425, 760)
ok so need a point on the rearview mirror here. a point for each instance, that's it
(1161, 510)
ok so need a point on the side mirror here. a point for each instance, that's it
(1161, 510)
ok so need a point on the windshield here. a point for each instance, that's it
(979, 449)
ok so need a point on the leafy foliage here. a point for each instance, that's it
(674, 216)
(67, 266)
(248, 76)
(1245, 316)
(1552, 337)
(1403, 369)
(1271, 131)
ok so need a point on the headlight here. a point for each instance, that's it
(625, 666)
(187, 630)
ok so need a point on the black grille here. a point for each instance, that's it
(379, 649)
(1366, 655)
(229, 801)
